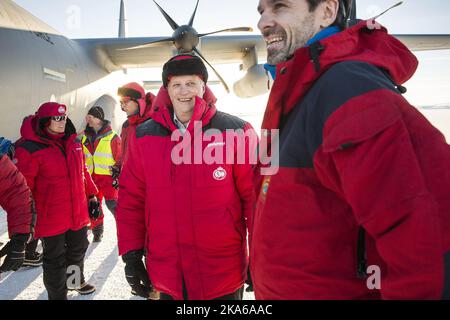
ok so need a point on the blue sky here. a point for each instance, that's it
(99, 19)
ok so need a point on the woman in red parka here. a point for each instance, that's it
(51, 158)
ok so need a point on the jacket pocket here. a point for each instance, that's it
(47, 201)
(238, 224)
(42, 207)
(215, 232)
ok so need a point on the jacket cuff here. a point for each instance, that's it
(132, 256)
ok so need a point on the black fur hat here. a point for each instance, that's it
(182, 65)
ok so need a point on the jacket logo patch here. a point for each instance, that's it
(219, 174)
(265, 187)
(61, 110)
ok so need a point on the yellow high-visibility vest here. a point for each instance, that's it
(102, 158)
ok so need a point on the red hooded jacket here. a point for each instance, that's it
(190, 217)
(129, 126)
(354, 155)
(57, 175)
(15, 198)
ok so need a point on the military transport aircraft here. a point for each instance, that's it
(39, 64)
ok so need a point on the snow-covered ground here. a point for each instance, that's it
(103, 268)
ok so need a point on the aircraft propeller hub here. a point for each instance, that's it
(185, 39)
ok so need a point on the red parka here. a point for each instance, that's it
(57, 175)
(129, 126)
(15, 198)
(354, 156)
(191, 218)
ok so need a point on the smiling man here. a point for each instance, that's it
(364, 178)
(189, 219)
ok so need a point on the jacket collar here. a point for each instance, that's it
(30, 131)
(358, 43)
(204, 110)
(103, 132)
(142, 116)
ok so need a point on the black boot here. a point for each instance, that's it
(84, 289)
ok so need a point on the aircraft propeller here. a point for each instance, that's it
(186, 39)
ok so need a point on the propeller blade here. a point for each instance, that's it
(215, 71)
(172, 23)
(191, 22)
(351, 15)
(240, 29)
(167, 41)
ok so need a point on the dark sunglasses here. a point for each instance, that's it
(59, 118)
(124, 101)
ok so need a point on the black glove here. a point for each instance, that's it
(115, 184)
(249, 282)
(15, 252)
(136, 274)
(94, 210)
(115, 172)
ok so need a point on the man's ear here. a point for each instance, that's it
(328, 11)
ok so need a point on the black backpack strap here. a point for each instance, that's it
(361, 254)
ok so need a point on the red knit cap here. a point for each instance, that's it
(51, 109)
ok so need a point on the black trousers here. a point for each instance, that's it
(237, 295)
(111, 205)
(62, 253)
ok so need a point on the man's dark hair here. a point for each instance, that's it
(342, 15)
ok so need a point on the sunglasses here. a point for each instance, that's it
(125, 100)
(59, 118)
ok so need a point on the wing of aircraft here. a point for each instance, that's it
(247, 50)
(122, 53)
(219, 49)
